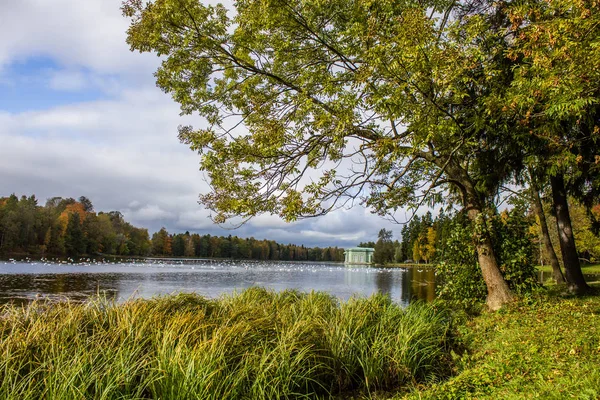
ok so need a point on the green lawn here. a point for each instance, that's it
(587, 268)
(546, 346)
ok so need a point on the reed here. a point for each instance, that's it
(257, 344)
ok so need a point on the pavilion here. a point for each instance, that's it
(359, 255)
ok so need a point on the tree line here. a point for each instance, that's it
(428, 239)
(66, 227)
(69, 227)
(196, 245)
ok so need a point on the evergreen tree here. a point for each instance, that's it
(75, 243)
(384, 248)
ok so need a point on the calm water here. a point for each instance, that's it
(21, 282)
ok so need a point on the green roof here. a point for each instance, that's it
(363, 249)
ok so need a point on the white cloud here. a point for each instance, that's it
(269, 221)
(78, 80)
(149, 213)
(196, 219)
(88, 33)
(134, 205)
(328, 237)
(121, 152)
(68, 80)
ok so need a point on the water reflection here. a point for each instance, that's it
(422, 284)
(22, 282)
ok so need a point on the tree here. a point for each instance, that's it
(384, 247)
(92, 232)
(189, 250)
(588, 243)
(429, 248)
(87, 204)
(397, 252)
(317, 83)
(366, 244)
(549, 248)
(556, 95)
(416, 251)
(75, 244)
(139, 242)
(178, 245)
(161, 243)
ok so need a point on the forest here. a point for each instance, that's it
(428, 240)
(69, 227)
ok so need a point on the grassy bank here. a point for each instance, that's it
(264, 345)
(546, 347)
(408, 265)
(254, 345)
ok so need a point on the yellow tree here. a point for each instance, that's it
(429, 248)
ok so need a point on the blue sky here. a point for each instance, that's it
(31, 84)
(80, 115)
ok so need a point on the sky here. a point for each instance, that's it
(80, 115)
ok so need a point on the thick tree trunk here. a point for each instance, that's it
(575, 279)
(539, 211)
(498, 291)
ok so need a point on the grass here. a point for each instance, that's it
(259, 344)
(546, 346)
(253, 345)
(586, 268)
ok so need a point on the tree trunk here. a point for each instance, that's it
(498, 291)
(575, 279)
(539, 211)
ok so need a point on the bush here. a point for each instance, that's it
(513, 246)
(459, 275)
(460, 278)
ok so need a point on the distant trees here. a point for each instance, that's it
(74, 239)
(205, 246)
(86, 204)
(160, 243)
(423, 238)
(366, 244)
(67, 227)
(384, 248)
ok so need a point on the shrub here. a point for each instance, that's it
(459, 275)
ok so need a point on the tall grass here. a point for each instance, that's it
(256, 344)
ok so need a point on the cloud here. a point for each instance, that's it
(69, 80)
(79, 79)
(149, 212)
(123, 154)
(87, 33)
(97, 150)
(270, 221)
(195, 219)
(118, 147)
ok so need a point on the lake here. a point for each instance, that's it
(21, 282)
